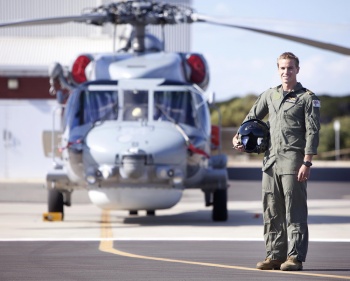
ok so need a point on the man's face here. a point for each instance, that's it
(288, 71)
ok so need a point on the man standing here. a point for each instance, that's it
(293, 114)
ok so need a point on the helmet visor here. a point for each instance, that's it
(249, 143)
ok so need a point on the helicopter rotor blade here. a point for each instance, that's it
(314, 43)
(97, 19)
(143, 13)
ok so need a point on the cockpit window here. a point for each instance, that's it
(135, 105)
(100, 106)
(91, 106)
(174, 105)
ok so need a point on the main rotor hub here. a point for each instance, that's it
(144, 13)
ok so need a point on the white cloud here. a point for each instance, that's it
(326, 76)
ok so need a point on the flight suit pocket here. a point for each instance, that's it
(293, 119)
(267, 163)
(269, 206)
(293, 109)
(314, 127)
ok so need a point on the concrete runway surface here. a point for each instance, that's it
(181, 243)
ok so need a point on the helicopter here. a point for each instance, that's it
(135, 123)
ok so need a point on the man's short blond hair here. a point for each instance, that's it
(289, 55)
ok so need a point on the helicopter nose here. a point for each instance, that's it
(133, 166)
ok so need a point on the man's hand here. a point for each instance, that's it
(304, 173)
(237, 144)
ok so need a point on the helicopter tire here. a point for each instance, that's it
(151, 213)
(55, 201)
(220, 205)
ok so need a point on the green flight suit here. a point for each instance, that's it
(294, 131)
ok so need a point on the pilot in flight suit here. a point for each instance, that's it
(293, 117)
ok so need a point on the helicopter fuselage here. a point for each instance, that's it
(125, 140)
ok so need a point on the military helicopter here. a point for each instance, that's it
(136, 128)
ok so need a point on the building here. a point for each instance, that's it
(26, 107)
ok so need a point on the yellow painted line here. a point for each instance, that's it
(106, 245)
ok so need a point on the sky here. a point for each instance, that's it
(243, 62)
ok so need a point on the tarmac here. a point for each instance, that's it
(181, 243)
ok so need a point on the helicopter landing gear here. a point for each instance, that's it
(148, 212)
(151, 213)
(55, 201)
(220, 205)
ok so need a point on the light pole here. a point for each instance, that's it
(336, 126)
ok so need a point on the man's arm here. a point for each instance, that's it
(259, 110)
(304, 171)
(312, 123)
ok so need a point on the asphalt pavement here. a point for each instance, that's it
(181, 243)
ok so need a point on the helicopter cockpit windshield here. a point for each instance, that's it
(90, 106)
(135, 105)
(100, 106)
(99, 103)
(175, 106)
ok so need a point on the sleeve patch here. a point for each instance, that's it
(316, 103)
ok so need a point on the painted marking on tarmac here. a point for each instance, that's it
(106, 245)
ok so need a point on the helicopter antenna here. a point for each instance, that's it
(163, 37)
(114, 37)
(139, 41)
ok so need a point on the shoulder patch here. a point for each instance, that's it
(316, 103)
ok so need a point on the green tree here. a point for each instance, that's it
(233, 111)
(327, 135)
